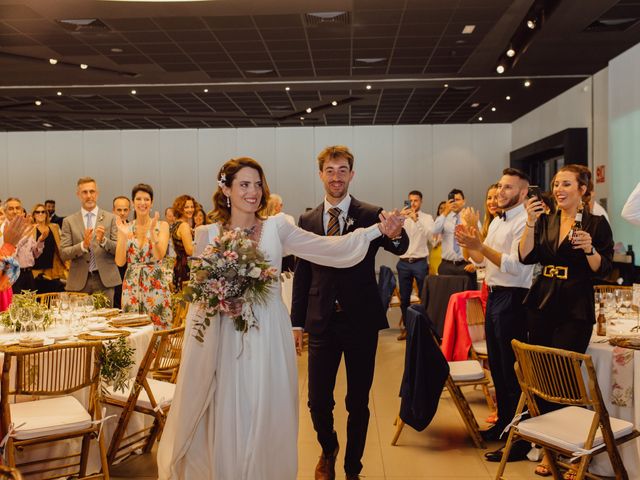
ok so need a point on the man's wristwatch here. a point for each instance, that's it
(593, 250)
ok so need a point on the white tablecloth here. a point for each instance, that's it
(602, 354)
(139, 340)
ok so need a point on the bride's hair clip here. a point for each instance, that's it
(222, 181)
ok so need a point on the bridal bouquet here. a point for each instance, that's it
(229, 277)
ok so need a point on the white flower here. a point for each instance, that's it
(254, 272)
(349, 222)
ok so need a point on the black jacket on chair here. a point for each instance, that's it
(425, 371)
(316, 288)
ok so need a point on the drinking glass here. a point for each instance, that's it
(38, 323)
(618, 297)
(627, 297)
(635, 305)
(609, 306)
(27, 327)
(14, 315)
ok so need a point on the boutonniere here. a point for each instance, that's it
(101, 217)
(349, 222)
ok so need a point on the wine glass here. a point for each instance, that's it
(25, 317)
(618, 297)
(627, 296)
(37, 317)
(609, 306)
(14, 315)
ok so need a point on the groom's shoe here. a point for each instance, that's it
(326, 468)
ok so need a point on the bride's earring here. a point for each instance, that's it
(228, 202)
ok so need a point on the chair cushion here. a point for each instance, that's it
(414, 298)
(480, 347)
(162, 392)
(49, 416)
(466, 370)
(568, 428)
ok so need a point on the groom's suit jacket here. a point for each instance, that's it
(71, 239)
(316, 288)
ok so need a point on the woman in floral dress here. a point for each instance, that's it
(142, 245)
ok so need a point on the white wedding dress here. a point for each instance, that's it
(234, 415)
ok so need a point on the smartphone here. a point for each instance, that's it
(451, 197)
(534, 191)
(407, 204)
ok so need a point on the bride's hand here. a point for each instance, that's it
(297, 340)
(391, 223)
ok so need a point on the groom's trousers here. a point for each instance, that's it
(325, 352)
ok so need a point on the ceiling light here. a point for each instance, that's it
(308, 110)
(371, 59)
(38, 102)
(53, 61)
(500, 69)
(206, 90)
(326, 15)
(117, 50)
(531, 23)
(260, 71)
(507, 97)
(334, 103)
(84, 66)
(368, 87)
(301, 118)
(287, 89)
(133, 92)
(511, 53)
(468, 29)
(446, 85)
(527, 83)
(475, 105)
(59, 94)
(493, 109)
(48, 125)
(479, 119)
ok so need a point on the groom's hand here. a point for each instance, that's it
(297, 340)
(391, 223)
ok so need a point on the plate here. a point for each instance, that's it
(58, 336)
(97, 326)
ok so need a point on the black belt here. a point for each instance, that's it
(499, 288)
(455, 262)
(94, 272)
(413, 260)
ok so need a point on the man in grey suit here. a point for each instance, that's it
(88, 240)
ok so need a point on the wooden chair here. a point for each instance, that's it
(54, 372)
(611, 288)
(478, 350)
(9, 473)
(146, 396)
(582, 427)
(461, 374)
(45, 298)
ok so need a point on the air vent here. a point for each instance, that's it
(622, 16)
(84, 25)
(332, 18)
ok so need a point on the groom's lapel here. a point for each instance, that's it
(318, 220)
(353, 215)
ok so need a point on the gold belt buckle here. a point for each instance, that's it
(559, 272)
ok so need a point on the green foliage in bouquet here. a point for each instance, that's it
(26, 300)
(116, 360)
(100, 300)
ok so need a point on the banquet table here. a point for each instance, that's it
(139, 340)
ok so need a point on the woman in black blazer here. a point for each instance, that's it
(560, 303)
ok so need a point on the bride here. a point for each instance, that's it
(234, 415)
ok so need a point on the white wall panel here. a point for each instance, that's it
(140, 152)
(178, 159)
(25, 167)
(486, 164)
(64, 161)
(215, 146)
(452, 158)
(296, 170)
(373, 149)
(102, 161)
(413, 164)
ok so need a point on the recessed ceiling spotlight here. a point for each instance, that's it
(334, 103)
(38, 102)
(475, 105)
(133, 92)
(479, 119)
(531, 23)
(507, 97)
(446, 85)
(370, 60)
(48, 125)
(308, 110)
(500, 69)
(286, 89)
(493, 109)
(84, 66)
(468, 29)
(59, 94)
(260, 71)
(53, 61)
(206, 90)
(527, 83)
(301, 118)
(511, 53)
(368, 87)
(117, 50)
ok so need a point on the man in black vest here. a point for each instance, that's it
(342, 312)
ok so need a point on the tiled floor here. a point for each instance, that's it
(442, 451)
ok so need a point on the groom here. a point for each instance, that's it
(342, 312)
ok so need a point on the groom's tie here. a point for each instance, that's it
(334, 222)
